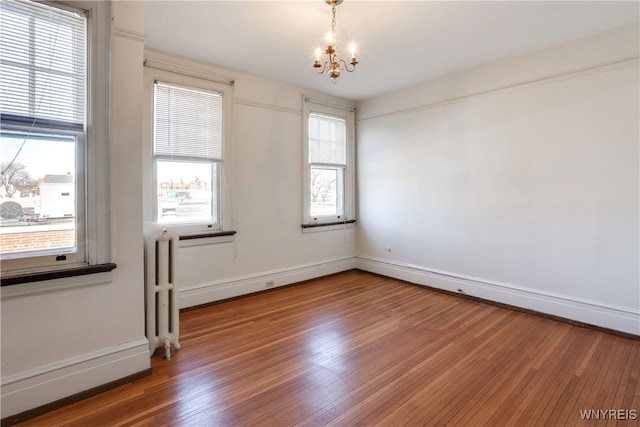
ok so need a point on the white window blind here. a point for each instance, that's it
(43, 64)
(327, 140)
(188, 122)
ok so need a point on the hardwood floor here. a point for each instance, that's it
(356, 349)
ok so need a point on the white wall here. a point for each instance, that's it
(515, 182)
(56, 343)
(265, 198)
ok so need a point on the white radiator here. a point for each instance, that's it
(161, 256)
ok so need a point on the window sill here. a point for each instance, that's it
(327, 226)
(54, 280)
(211, 238)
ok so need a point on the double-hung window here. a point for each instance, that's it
(188, 151)
(47, 154)
(328, 195)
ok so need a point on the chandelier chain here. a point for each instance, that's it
(333, 23)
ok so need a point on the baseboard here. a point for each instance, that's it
(61, 403)
(233, 287)
(50, 383)
(622, 319)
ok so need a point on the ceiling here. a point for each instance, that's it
(399, 43)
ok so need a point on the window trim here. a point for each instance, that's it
(26, 262)
(95, 230)
(158, 69)
(347, 113)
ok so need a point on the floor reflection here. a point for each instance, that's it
(327, 350)
(198, 395)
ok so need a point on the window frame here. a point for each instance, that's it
(200, 229)
(92, 182)
(25, 261)
(346, 113)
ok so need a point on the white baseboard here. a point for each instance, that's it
(49, 383)
(228, 288)
(623, 319)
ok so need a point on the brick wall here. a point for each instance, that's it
(33, 241)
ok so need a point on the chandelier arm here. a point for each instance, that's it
(345, 66)
(325, 67)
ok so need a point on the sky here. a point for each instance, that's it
(51, 157)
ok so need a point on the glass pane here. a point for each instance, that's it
(327, 139)
(326, 191)
(37, 195)
(186, 192)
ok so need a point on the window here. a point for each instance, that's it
(48, 158)
(189, 155)
(329, 164)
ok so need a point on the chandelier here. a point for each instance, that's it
(333, 65)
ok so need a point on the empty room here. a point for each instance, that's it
(320, 212)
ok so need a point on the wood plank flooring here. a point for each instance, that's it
(356, 349)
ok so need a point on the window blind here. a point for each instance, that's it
(188, 122)
(327, 139)
(42, 63)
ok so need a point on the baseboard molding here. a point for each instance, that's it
(40, 410)
(622, 319)
(237, 286)
(50, 383)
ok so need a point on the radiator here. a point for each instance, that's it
(161, 297)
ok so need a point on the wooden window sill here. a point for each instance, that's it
(206, 238)
(328, 224)
(56, 274)
(207, 235)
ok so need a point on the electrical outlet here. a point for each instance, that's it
(270, 284)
